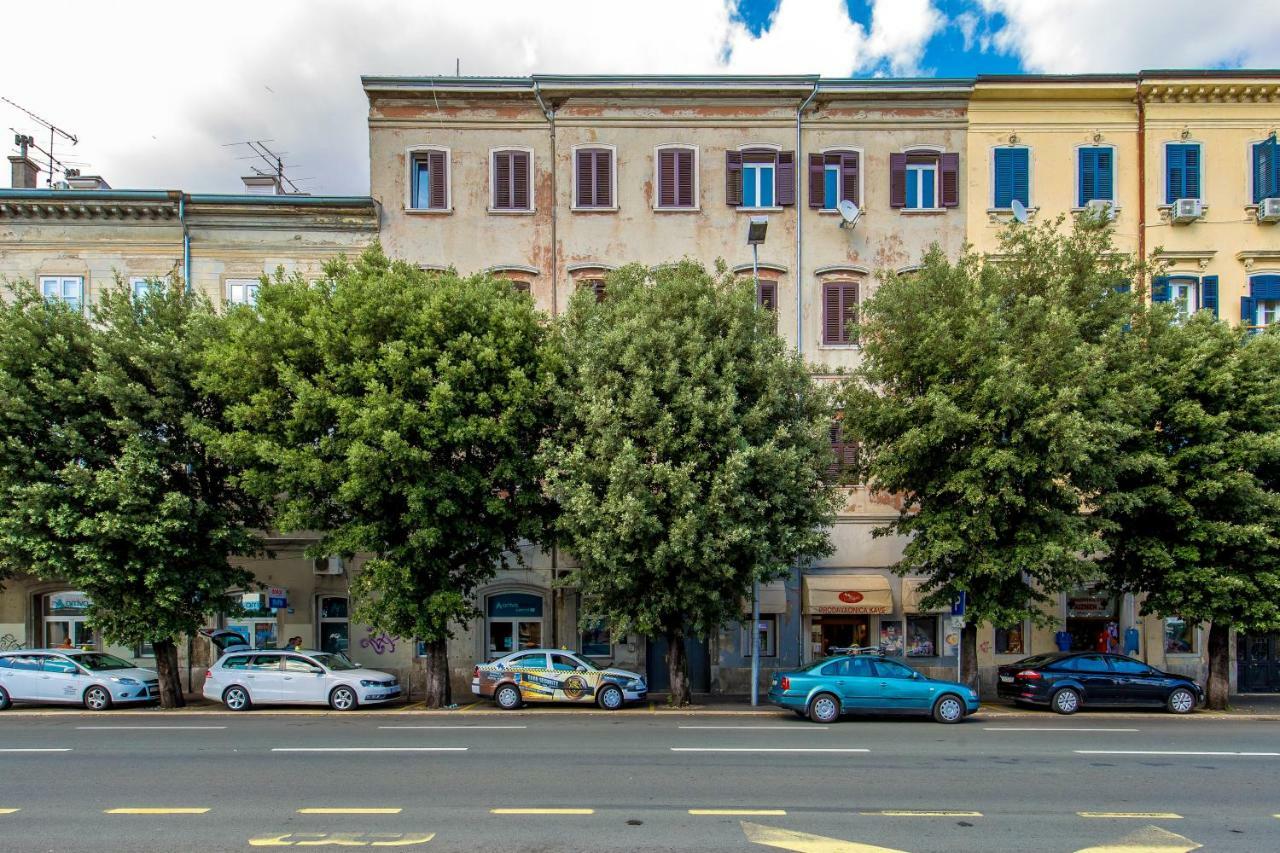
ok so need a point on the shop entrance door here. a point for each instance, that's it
(840, 632)
(1258, 663)
(64, 621)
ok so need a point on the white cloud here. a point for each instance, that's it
(156, 88)
(1077, 36)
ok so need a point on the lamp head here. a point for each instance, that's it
(756, 230)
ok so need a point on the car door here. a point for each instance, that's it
(902, 688)
(574, 680)
(1095, 676)
(531, 674)
(23, 677)
(303, 681)
(264, 678)
(1136, 683)
(60, 679)
(853, 679)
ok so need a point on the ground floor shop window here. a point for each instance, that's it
(64, 620)
(766, 633)
(514, 622)
(595, 640)
(1011, 640)
(922, 636)
(1092, 616)
(144, 650)
(891, 637)
(334, 624)
(828, 632)
(1179, 636)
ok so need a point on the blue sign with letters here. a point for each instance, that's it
(957, 606)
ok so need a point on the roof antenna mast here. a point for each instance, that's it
(54, 132)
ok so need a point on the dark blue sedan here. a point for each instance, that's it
(1069, 681)
(867, 684)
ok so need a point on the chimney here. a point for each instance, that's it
(262, 185)
(23, 172)
(87, 182)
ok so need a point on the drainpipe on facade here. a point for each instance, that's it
(1142, 176)
(550, 116)
(186, 242)
(799, 274)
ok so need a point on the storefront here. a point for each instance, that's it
(513, 621)
(63, 622)
(928, 632)
(1093, 618)
(260, 625)
(839, 608)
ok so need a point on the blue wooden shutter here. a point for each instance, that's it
(1191, 177)
(1175, 186)
(1160, 288)
(1209, 294)
(1248, 311)
(1106, 173)
(1003, 177)
(1266, 170)
(1022, 175)
(1088, 176)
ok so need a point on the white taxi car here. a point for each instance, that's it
(241, 679)
(554, 675)
(93, 679)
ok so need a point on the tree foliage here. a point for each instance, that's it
(688, 458)
(397, 412)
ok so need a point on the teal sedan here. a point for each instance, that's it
(866, 684)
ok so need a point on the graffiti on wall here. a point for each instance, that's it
(380, 644)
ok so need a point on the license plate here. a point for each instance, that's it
(1007, 679)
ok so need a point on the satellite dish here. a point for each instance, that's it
(850, 212)
(1019, 210)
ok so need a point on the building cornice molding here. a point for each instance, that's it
(1259, 91)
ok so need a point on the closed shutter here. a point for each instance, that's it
(1175, 173)
(845, 452)
(502, 199)
(684, 177)
(1003, 178)
(1209, 294)
(1104, 174)
(1160, 288)
(1088, 176)
(839, 309)
(733, 178)
(436, 161)
(1191, 177)
(767, 295)
(849, 178)
(1022, 175)
(604, 179)
(1265, 287)
(786, 189)
(950, 166)
(667, 177)
(1248, 311)
(897, 180)
(817, 181)
(584, 184)
(520, 180)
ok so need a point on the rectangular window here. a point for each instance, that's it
(1268, 312)
(429, 181)
(595, 285)
(334, 624)
(144, 650)
(767, 295)
(595, 640)
(593, 179)
(766, 633)
(839, 311)
(67, 288)
(1012, 640)
(830, 187)
(1095, 174)
(509, 177)
(757, 184)
(1182, 171)
(141, 285)
(922, 186)
(1182, 294)
(922, 636)
(845, 452)
(891, 637)
(1010, 177)
(243, 291)
(833, 177)
(1179, 636)
(924, 180)
(1266, 169)
(677, 184)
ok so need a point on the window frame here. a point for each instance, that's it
(576, 204)
(1024, 626)
(1079, 175)
(493, 182)
(1192, 285)
(1192, 628)
(412, 155)
(322, 621)
(756, 148)
(844, 342)
(138, 283)
(769, 646)
(1164, 150)
(79, 302)
(657, 178)
(857, 152)
(228, 284)
(1252, 197)
(907, 619)
(995, 203)
(919, 169)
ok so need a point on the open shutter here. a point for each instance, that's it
(897, 180)
(436, 163)
(1248, 311)
(786, 190)
(684, 177)
(583, 162)
(817, 181)
(667, 177)
(604, 179)
(849, 178)
(1160, 288)
(1266, 170)
(502, 181)
(831, 327)
(520, 180)
(950, 166)
(1175, 173)
(733, 178)
(1209, 294)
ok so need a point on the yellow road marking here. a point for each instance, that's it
(909, 813)
(467, 707)
(349, 811)
(1136, 815)
(542, 811)
(803, 842)
(156, 811)
(742, 812)
(11, 811)
(1152, 839)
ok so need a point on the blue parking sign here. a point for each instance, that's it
(957, 606)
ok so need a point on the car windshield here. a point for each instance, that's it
(98, 662)
(337, 663)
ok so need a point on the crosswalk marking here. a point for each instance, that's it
(1151, 839)
(804, 842)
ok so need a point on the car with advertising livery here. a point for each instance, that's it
(75, 676)
(244, 678)
(1069, 681)
(554, 675)
(869, 683)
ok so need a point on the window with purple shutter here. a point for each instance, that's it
(510, 177)
(839, 311)
(595, 285)
(593, 178)
(429, 180)
(845, 452)
(924, 180)
(676, 179)
(767, 295)
(760, 178)
(833, 178)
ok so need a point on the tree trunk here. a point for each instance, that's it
(1219, 686)
(969, 654)
(678, 670)
(439, 694)
(170, 679)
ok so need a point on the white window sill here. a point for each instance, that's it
(745, 209)
(429, 211)
(833, 211)
(1115, 208)
(577, 209)
(694, 209)
(923, 211)
(840, 346)
(506, 211)
(1008, 211)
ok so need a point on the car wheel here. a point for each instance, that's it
(97, 698)
(948, 709)
(610, 697)
(1181, 701)
(824, 708)
(343, 699)
(1066, 701)
(507, 697)
(236, 698)
(4, 700)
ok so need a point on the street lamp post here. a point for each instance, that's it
(755, 236)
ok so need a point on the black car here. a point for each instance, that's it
(1067, 681)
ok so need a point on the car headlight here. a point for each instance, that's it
(364, 682)
(132, 681)
(636, 684)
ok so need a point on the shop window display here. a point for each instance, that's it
(1179, 636)
(891, 637)
(1011, 640)
(922, 636)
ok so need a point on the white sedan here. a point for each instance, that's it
(240, 680)
(93, 679)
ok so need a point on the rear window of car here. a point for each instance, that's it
(27, 663)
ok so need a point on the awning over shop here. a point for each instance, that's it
(847, 594)
(912, 595)
(773, 599)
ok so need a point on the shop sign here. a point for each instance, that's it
(513, 604)
(77, 602)
(850, 608)
(251, 601)
(277, 598)
(850, 597)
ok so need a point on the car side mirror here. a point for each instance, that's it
(915, 676)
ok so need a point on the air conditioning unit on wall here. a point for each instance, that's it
(1269, 210)
(1187, 210)
(330, 565)
(1103, 209)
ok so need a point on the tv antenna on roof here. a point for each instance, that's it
(1019, 210)
(274, 162)
(54, 132)
(849, 213)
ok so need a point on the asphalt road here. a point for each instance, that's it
(637, 782)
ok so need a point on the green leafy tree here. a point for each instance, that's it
(1193, 521)
(688, 458)
(397, 412)
(989, 399)
(108, 482)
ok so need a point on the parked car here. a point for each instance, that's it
(869, 684)
(93, 679)
(1068, 681)
(553, 675)
(242, 679)
(225, 640)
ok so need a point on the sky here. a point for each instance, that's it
(158, 93)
